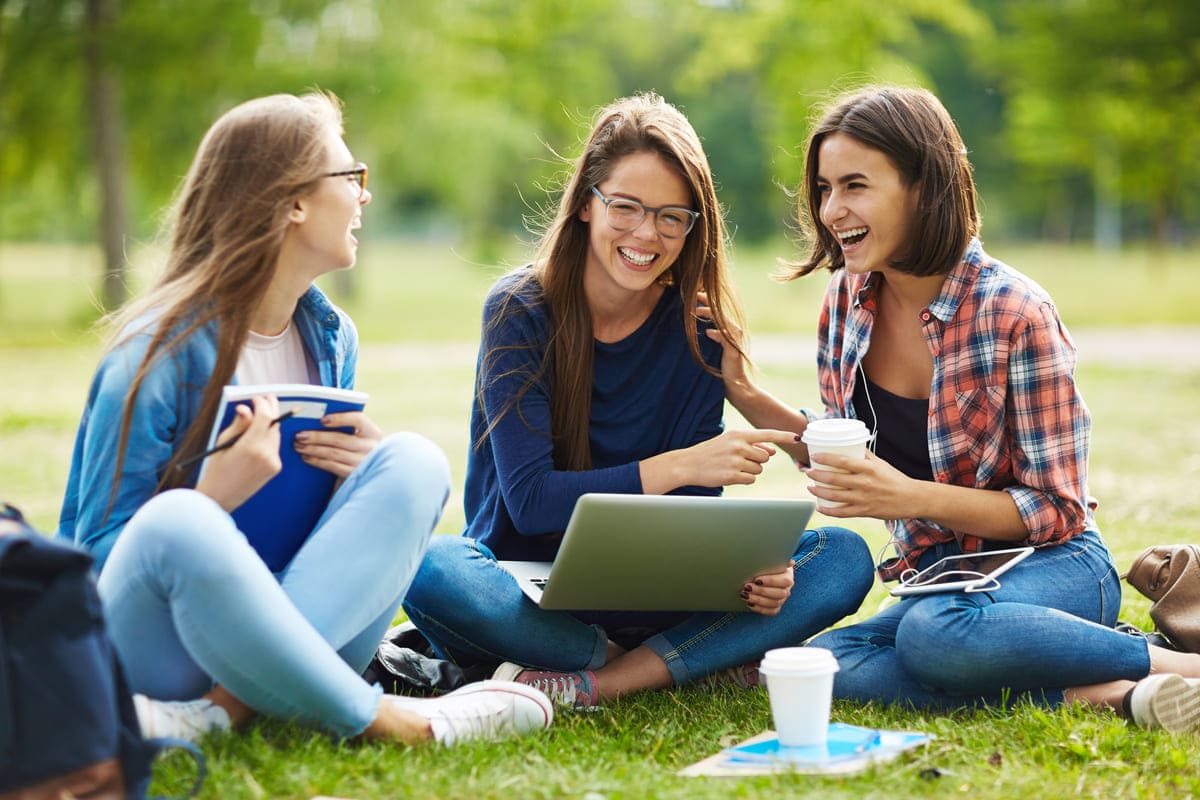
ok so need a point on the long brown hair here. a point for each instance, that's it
(643, 123)
(227, 230)
(916, 133)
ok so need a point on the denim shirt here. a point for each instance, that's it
(166, 406)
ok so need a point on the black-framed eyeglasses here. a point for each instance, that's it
(671, 222)
(358, 172)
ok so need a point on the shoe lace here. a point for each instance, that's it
(560, 687)
(482, 717)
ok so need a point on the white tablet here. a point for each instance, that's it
(969, 572)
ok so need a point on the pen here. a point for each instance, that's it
(187, 462)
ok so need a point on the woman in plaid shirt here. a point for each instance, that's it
(964, 371)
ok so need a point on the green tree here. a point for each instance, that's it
(790, 58)
(462, 107)
(1101, 93)
(104, 102)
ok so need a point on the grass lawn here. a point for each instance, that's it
(417, 308)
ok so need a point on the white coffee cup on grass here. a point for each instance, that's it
(799, 684)
(846, 437)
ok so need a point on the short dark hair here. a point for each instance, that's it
(913, 129)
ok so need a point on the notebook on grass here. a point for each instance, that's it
(850, 749)
(280, 516)
(633, 552)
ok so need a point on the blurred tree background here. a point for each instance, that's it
(1080, 114)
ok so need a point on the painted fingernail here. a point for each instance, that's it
(799, 438)
(745, 594)
(758, 583)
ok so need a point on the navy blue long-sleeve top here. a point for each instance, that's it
(649, 396)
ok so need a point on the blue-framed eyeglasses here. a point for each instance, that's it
(671, 222)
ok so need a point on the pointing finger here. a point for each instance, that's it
(763, 435)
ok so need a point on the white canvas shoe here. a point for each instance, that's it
(1166, 701)
(483, 710)
(176, 719)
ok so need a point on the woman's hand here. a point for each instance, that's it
(337, 451)
(734, 345)
(871, 487)
(729, 458)
(235, 474)
(733, 457)
(867, 487)
(766, 594)
(756, 405)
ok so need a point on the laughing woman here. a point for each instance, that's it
(207, 634)
(594, 376)
(962, 367)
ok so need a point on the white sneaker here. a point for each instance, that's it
(483, 710)
(178, 719)
(1166, 701)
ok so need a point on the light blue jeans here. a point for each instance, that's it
(1048, 627)
(189, 603)
(472, 610)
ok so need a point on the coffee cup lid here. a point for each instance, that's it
(836, 431)
(799, 661)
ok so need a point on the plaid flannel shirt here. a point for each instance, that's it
(1004, 411)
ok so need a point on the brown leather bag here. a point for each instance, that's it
(1170, 576)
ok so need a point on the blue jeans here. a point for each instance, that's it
(1048, 627)
(472, 610)
(189, 603)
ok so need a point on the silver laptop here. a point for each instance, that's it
(633, 552)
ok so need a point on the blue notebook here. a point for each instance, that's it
(849, 749)
(280, 516)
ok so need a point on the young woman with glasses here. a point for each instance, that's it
(207, 633)
(966, 373)
(594, 376)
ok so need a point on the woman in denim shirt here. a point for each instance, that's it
(207, 633)
(965, 372)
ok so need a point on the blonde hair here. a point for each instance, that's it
(227, 230)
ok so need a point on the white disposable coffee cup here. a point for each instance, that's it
(800, 687)
(847, 437)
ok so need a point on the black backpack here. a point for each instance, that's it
(67, 721)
